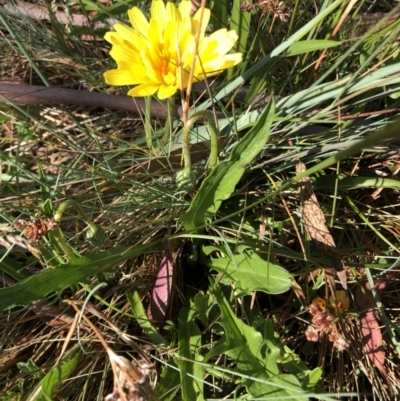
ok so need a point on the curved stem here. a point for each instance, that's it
(94, 235)
(71, 202)
(213, 160)
(58, 236)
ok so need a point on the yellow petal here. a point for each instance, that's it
(173, 15)
(208, 49)
(204, 22)
(152, 73)
(225, 40)
(147, 89)
(188, 50)
(138, 41)
(138, 20)
(121, 77)
(222, 63)
(122, 34)
(185, 8)
(233, 59)
(123, 55)
(159, 13)
(113, 38)
(166, 91)
(156, 60)
(155, 35)
(171, 42)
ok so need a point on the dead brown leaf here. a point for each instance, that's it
(315, 225)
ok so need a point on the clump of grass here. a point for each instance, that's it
(244, 271)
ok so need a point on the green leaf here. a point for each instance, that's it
(313, 378)
(221, 182)
(250, 272)
(289, 361)
(355, 182)
(13, 268)
(255, 357)
(219, 15)
(189, 343)
(203, 303)
(141, 317)
(29, 368)
(395, 95)
(169, 383)
(240, 23)
(42, 284)
(307, 46)
(56, 376)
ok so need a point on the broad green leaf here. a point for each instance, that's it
(307, 46)
(250, 272)
(221, 182)
(255, 358)
(42, 284)
(56, 376)
(288, 360)
(189, 343)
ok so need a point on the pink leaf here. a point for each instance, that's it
(372, 336)
(161, 294)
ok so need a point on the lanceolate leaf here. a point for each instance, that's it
(189, 342)
(42, 284)
(56, 376)
(307, 46)
(221, 182)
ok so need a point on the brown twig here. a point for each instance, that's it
(34, 94)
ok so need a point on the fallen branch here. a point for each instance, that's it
(34, 94)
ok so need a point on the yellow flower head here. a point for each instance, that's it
(342, 303)
(157, 55)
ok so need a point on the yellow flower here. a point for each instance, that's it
(342, 303)
(157, 55)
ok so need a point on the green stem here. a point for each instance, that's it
(94, 234)
(213, 160)
(71, 202)
(168, 123)
(147, 123)
(58, 236)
